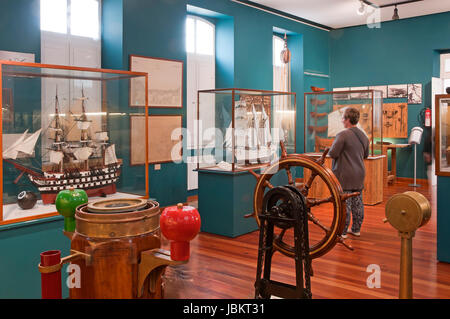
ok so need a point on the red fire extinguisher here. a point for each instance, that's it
(427, 117)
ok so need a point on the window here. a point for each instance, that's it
(200, 47)
(278, 45)
(74, 17)
(445, 69)
(280, 70)
(199, 36)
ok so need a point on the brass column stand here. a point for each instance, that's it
(407, 212)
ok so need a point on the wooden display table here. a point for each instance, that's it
(373, 183)
(390, 176)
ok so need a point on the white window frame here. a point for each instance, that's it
(277, 86)
(445, 75)
(195, 63)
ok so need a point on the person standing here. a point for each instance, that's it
(349, 149)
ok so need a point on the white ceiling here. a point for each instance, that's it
(343, 13)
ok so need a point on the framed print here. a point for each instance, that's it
(359, 95)
(165, 82)
(341, 96)
(164, 139)
(382, 88)
(397, 91)
(415, 93)
(17, 56)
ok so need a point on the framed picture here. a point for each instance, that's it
(17, 56)
(382, 88)
(341, 96)
(165, 82)
(164, 139)
(359, 95)
(415, 93)
(397, 91)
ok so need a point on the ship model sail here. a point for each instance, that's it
(89, 163)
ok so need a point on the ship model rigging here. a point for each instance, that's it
(88, 163)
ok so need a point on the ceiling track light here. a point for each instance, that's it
(395, 16)
(362, 9)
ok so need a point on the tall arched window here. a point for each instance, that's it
(200, 47)
(280, 69)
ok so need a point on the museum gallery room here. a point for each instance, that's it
(225, 149)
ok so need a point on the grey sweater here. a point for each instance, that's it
(348, 154)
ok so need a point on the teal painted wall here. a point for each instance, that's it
(20, 248)
(399, 52)
(20, 26)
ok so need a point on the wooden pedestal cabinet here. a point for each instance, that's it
(373, 183)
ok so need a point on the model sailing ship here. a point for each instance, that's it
(253, 137)
(88, 164)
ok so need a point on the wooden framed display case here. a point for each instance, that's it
(442, 134)
(241, 129)
(323, 114)
(70, 127)
(323, 121)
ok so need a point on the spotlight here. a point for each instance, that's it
(362, 9)
(395, 16)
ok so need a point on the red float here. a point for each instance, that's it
(180, 224)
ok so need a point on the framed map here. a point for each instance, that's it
(165, 82)
(164, 139)
(17, 56)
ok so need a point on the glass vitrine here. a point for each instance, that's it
(240, 129)
(68, 127)
(323, 117)
(442, 135)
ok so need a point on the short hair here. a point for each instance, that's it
(352, 115)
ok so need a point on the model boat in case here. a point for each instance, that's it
(90, 163)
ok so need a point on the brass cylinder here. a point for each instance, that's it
(117, 225)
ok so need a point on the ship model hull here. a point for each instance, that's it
(96, 182)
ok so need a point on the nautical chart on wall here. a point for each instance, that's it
(165, 82)
(164, 139)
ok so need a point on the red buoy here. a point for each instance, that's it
(180, 224)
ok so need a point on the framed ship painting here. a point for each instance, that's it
(164, 139)
(165, 82)
(397, 91)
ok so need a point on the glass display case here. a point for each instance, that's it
(68, 127)
(241, 129)
(323, 117)
(442, 135)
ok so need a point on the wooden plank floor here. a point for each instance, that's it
(222, 267)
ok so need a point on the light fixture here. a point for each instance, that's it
(362, 9)
(395, 16)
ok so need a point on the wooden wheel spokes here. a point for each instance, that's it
(305, 189)
(315, 221)
(289, 175)
(315, 202)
